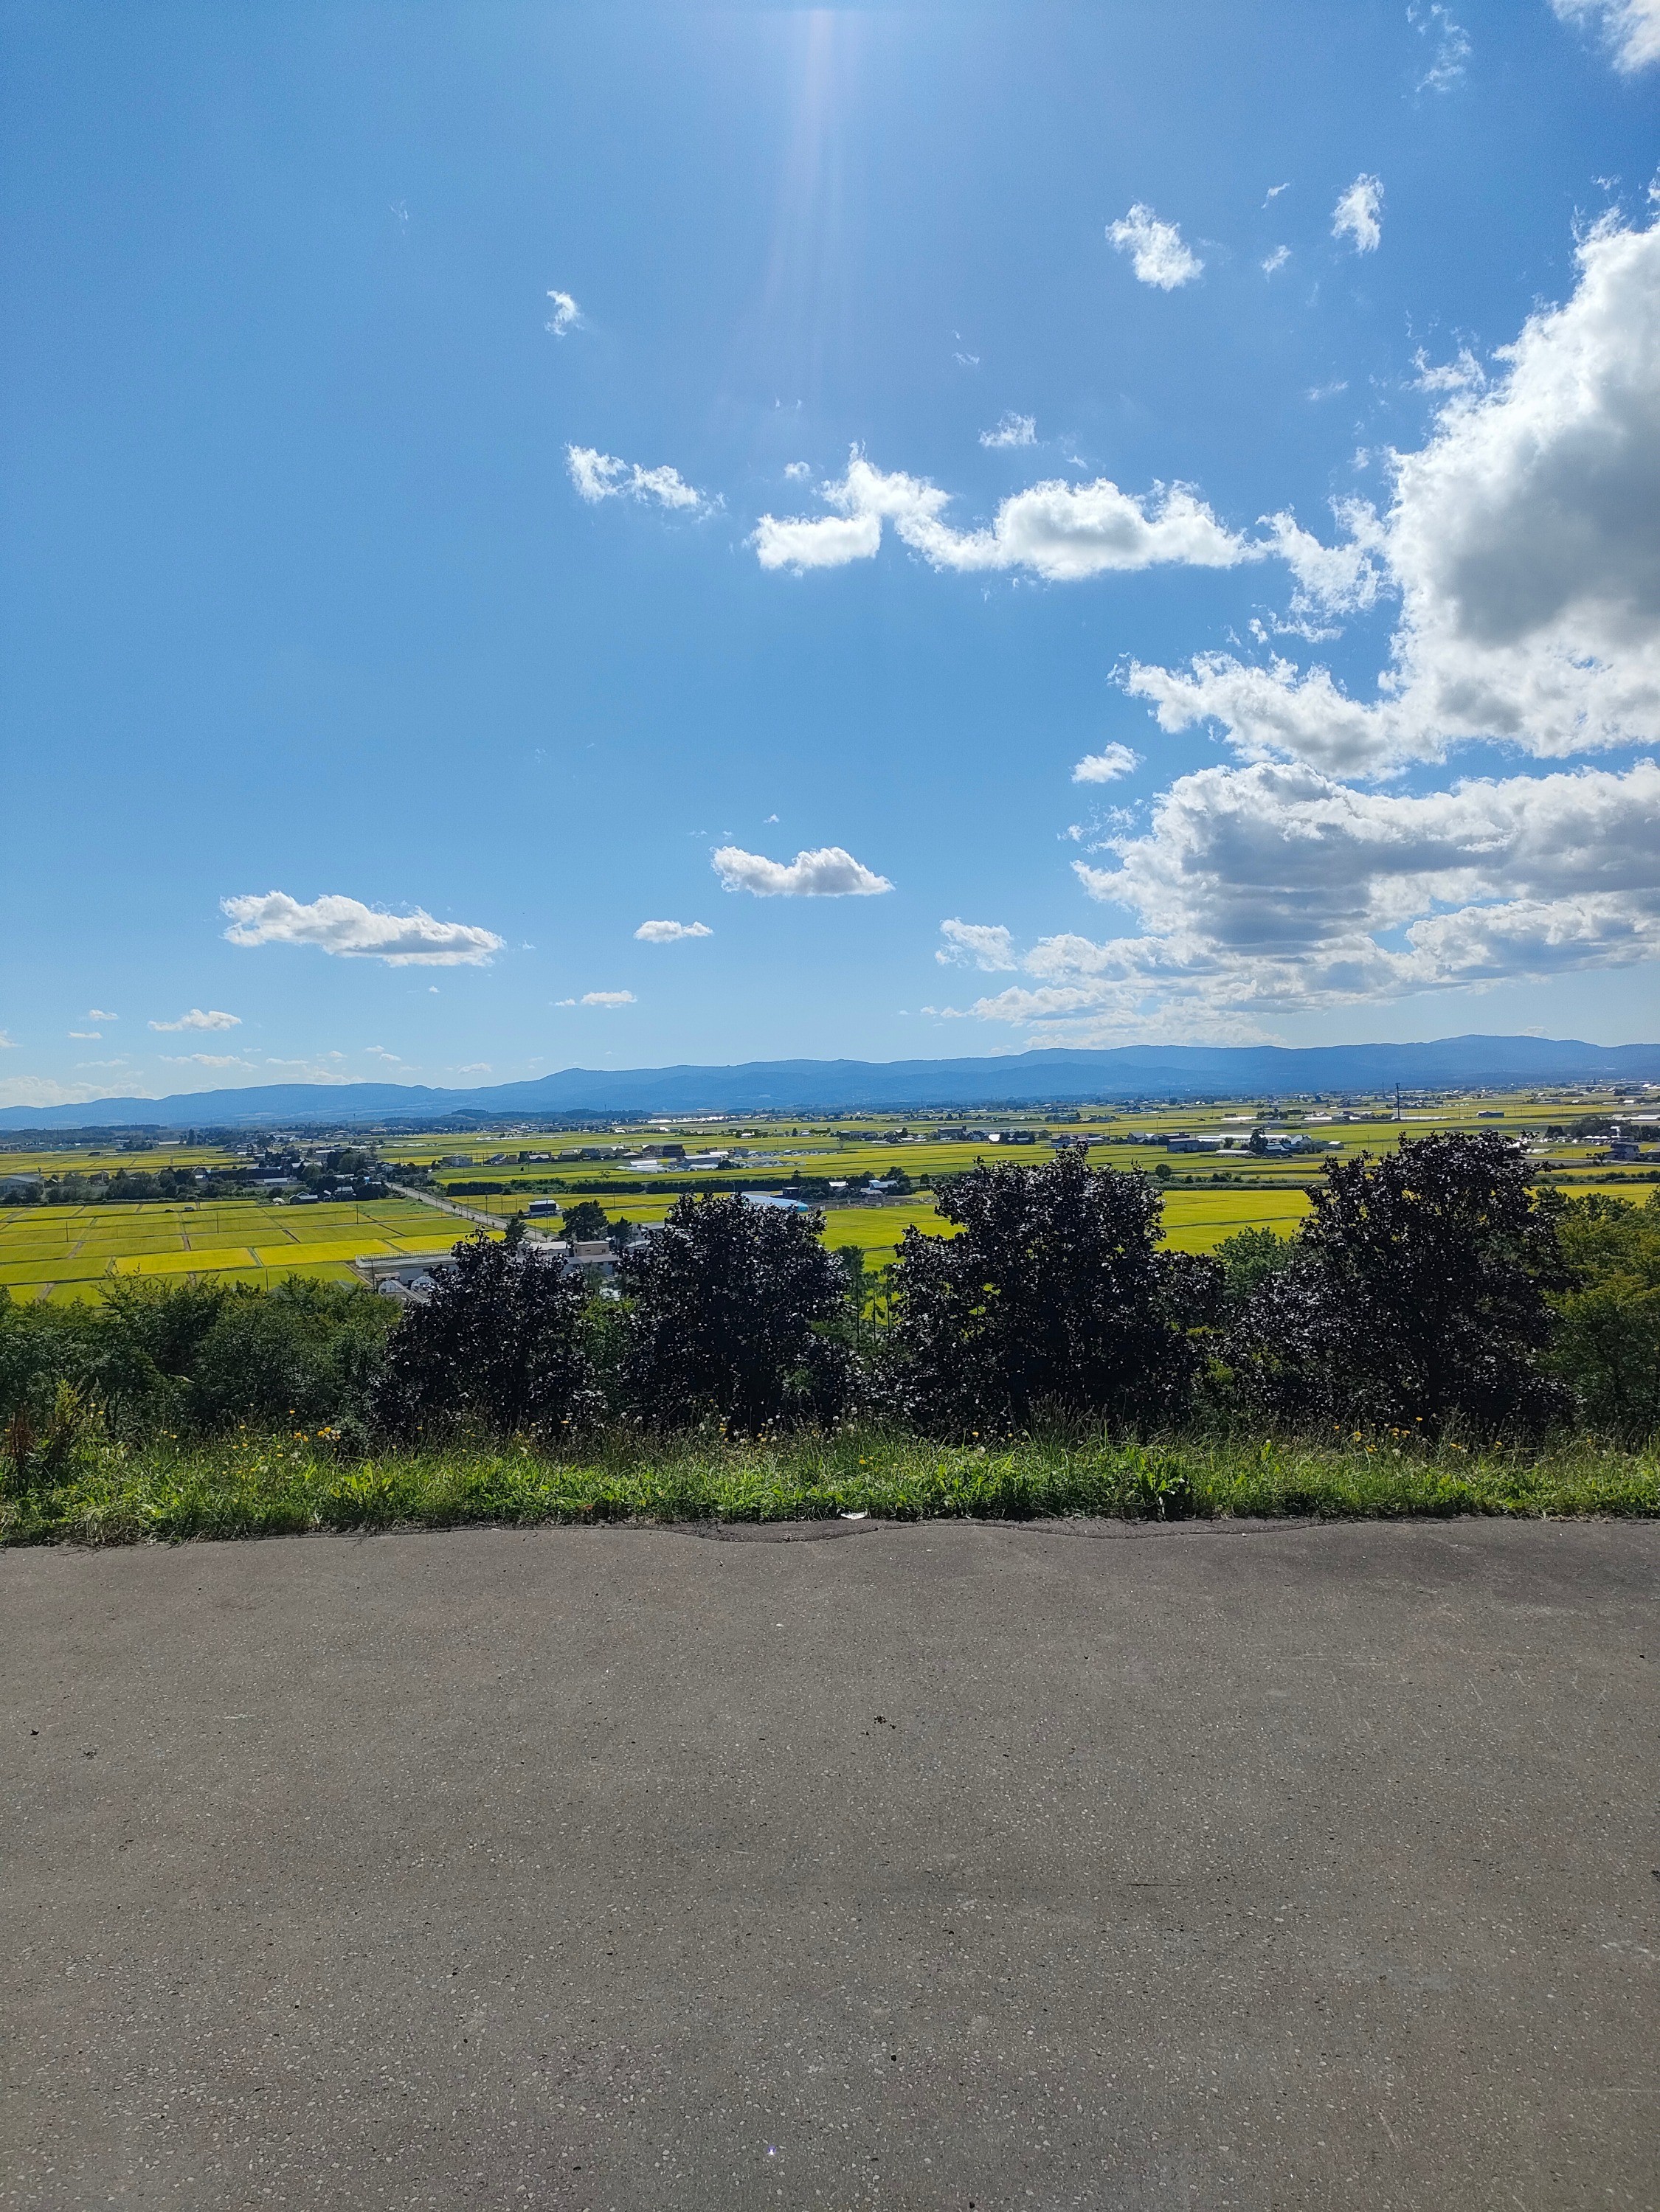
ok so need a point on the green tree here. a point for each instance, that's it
(1608, 1348)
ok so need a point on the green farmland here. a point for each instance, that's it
(68, 1250)
(73, 1251)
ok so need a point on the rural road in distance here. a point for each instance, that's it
(941, 1866)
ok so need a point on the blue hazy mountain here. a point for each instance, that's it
(1027, 1079)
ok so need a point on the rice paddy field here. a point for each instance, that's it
(67, 1252)
(52, 1251)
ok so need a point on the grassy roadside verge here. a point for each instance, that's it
(282, 1487)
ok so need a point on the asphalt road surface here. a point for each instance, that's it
(928, 1867)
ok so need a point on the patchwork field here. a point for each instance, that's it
(65, 1252)
(70, 1251)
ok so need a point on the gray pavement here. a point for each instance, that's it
(931, 1866)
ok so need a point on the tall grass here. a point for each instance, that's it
(111, 1494)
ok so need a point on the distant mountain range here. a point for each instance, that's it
(1027, 1079)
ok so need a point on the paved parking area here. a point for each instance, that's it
(950, 1866)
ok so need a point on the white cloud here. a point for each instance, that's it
(476, 1067)
(196, 1019)
(1523, 542)
(1273, 889)
(566, 316)
(1274, 191)
(205, 1059)
(1012, 430)
(599, 476)
(1464, 375)
(7, 1043)
(797, 471)
(608, 998)
(1111, 762)
(831, 872)
(1157, 253)
(1632, 27)
(45, 1091)
(1058, 531)
(670, 933)
(313, 1071)
(98, 1014)
(1277, 260)
(346, 926)
(976, 944)
(1452, 45)
(1359, 215)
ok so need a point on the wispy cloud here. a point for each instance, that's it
(1359, 215)
(1277, 260)
(205, 1059)
(98, 1014)
(198, 1020)
(347, 927)
(566, 316)
(1464, 375)
(981, 945)
(1012, 430)
(1631, 28)
(87, 1036)
(599, 475)
(1451, 49)
(1157, 253)
(831, 872)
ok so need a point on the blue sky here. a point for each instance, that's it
(395, 399)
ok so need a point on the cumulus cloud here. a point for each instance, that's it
(1631, 28)
(1012, 430)
(566, 316)
(976, 944)
(1058, 531)
(1104, 767)
(1524, 543)
(607, 998)
(87, 1036)
(1157, 253)
(196, 1019)
(831, 872)
(98, 1014)
(1359, 215)
(670, 933)
(599, 475)
(1271, 889)
(347, 927)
